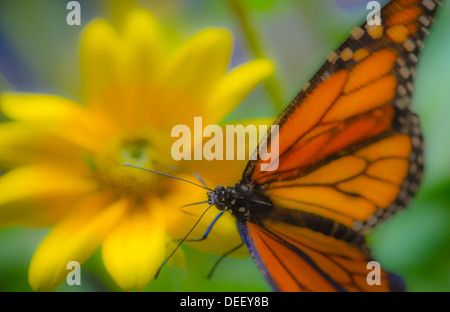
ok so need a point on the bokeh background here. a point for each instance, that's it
(39, 53)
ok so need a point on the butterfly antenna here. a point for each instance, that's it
(201, 180)
(181, 242)
(168, 175)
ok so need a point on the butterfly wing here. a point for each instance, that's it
(350, 148)
(299, 259)
(350, 155)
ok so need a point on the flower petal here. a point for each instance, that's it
(119, 72)
(56, 114)
(141, 63)
(38, 107)
(38, 195)
(100, 59)
(73, 239)
(143, 47)
(199, 63)
(23, 143)
(101, 71)
(236, 85)
(136, 248)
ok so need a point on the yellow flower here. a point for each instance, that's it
(64, 160)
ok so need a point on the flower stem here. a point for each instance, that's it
(271, 84)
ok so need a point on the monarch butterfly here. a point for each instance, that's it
(350, 155)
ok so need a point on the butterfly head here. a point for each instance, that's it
(240, 199)
(224, 197)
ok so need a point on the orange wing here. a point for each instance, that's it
(350, 155)
(300, 259)
(350, 148)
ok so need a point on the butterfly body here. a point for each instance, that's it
(242, 200)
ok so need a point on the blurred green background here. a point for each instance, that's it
(39, 53)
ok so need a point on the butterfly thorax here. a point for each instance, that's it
(242, 200)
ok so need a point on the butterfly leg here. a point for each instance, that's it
(208, 230)
(221, 258)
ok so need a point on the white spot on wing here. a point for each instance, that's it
(401, 90)
(410, 86)
(424, 30)
(306, 86)
(424, 20)
(420, 44)
(332, 57)
(429, 4)
(404, 72)
(409, 45)
(357, 33)
(413, 57)
(401, 61)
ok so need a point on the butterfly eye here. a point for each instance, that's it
(219, 189)
(244, 188)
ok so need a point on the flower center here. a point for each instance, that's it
(140, 150)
